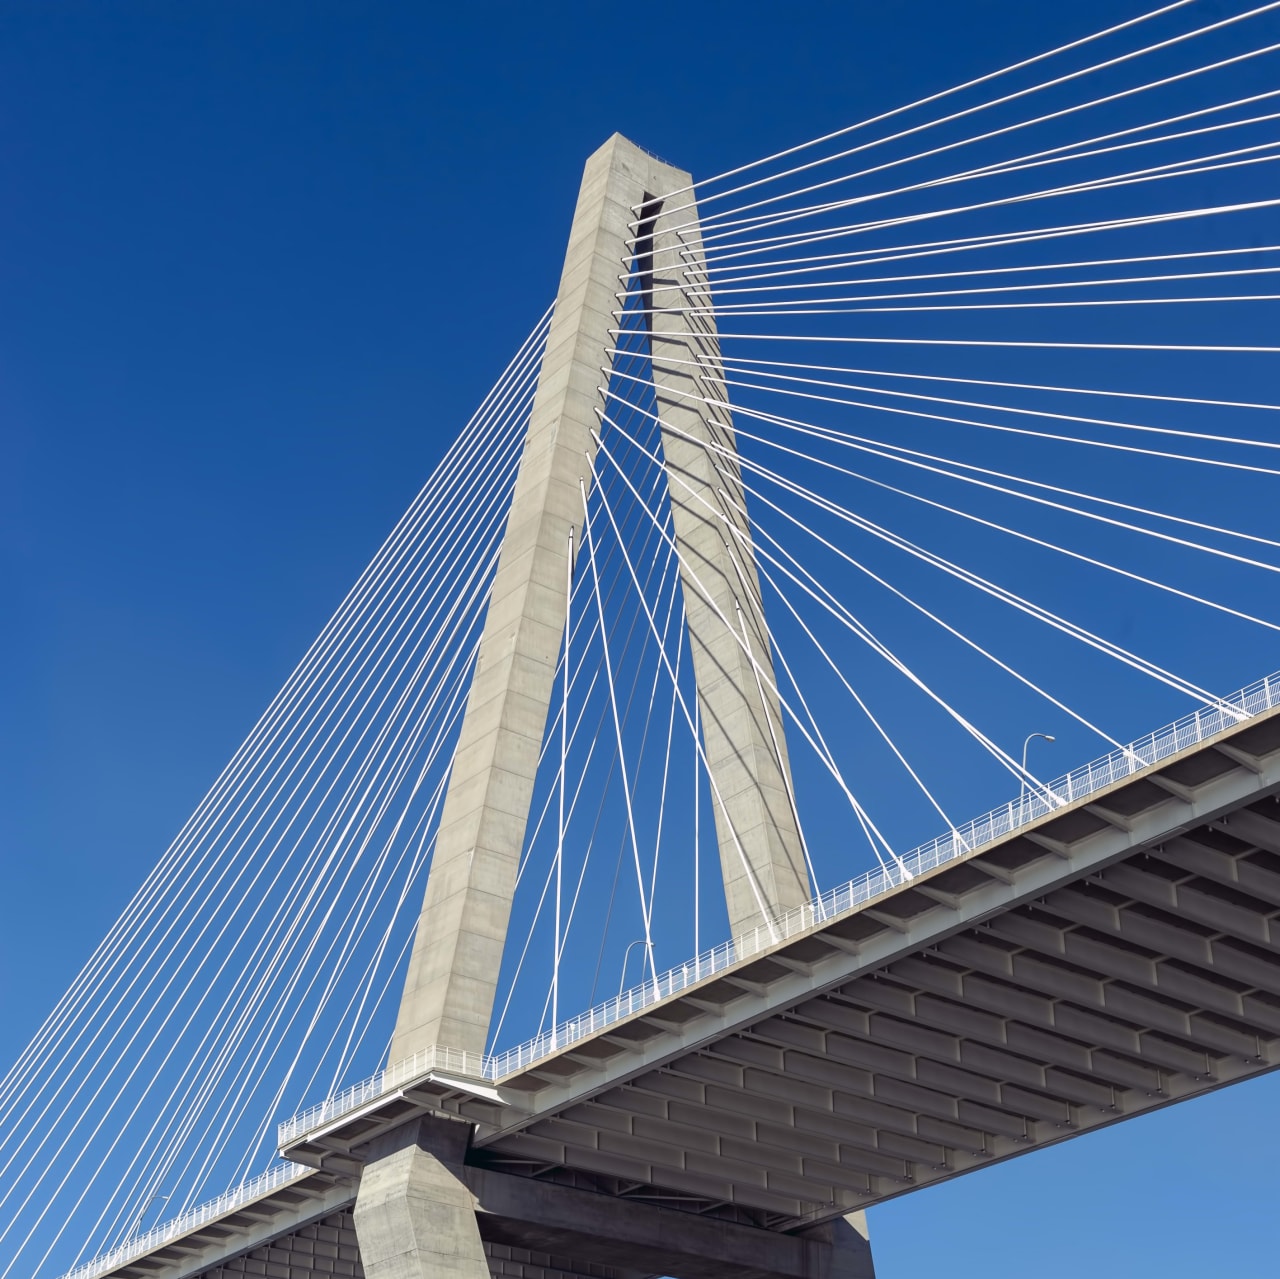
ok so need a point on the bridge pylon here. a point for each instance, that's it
(421, 1209)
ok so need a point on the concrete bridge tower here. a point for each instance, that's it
(418, 1211)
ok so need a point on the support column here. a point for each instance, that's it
(761, 853)
(845, 1248)
(453, 969)
(415, 1217)
(421, 1211)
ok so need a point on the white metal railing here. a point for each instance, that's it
(436, 1057)
(226, 1202)
(1146, 752)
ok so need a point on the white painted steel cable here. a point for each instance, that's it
(701, 753)
(353, 852)
(315, 647)
(841, 612)
(586, 649)
(495, 1034)
(251, 882)
(716, 222)
(1132, 178)
(1193, 167)
(617, 726)
(189, 1109)
(879, 254)
(967, 640)
(1229, 348)
(1016, 533)
(727, 288)
(785, 306)
(229, 773)
(636, 498)
(1036, 611)
(875, 446)
(865, 634)
(765, 676)
(911, 106)
(1052, 436)
(143, 1057)
(352, 595)
(974, 579)
(617, 761)
(844, 680)
(759, 368)
(179, 939)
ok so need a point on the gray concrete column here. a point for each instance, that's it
(761, 855)
(414, 1216)
(843, 1248)
(453, 969)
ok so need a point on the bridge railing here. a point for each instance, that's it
(1037, 800)
(278, 1175)
(452, 1060)
(1034, 803)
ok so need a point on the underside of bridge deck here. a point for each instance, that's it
(1139, 978)
(1120, 955)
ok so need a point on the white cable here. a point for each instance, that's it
(617, 727)
(881, 254)
(722, 288)
(766, 677)
(314, 645)
(724, 219)
(864, 633)
(1129, 178)
(874, 446)
(715, 789)
(919, 102)
(961, 574)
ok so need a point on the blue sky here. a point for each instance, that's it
(257, 265)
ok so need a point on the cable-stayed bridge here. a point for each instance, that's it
(822, 484)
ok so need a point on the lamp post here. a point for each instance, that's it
(1022, 795)
(622, 980)
(143, 1213)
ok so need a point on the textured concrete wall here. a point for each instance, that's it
(414, 1216)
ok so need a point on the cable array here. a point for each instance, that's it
(989, 357)
(1000, 371)
(254, 964)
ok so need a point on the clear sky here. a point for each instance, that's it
(257, 265)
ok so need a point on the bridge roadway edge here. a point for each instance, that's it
(1242, 785)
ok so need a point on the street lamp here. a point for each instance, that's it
(1048, 737)
(626, 955)
(143, 1213)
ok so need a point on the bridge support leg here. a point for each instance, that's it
(453, 968)
(761, 851)
(846, 1248)
(415, 1218)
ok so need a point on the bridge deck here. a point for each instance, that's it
(1116, 956)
